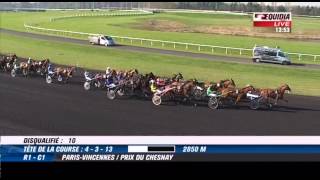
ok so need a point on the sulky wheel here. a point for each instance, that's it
(111, 94)
(13, 73)
(156, 100)
(60, 78)
(120, 92)
(213, 103)
(197, 94)
(255, 104)
(49, 79)
(86, 86)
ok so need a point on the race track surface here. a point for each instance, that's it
(30, 106)
(157, 51)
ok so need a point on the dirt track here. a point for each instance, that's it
(29, 106)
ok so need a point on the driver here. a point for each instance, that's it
(109, 80)
(87, 76)
(153, 87)
(210, 90)
(15, 64)
(29, 61)
(108, 71)
(50, 69)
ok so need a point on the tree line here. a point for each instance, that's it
(218, 6)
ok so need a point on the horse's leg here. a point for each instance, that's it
(238, 98)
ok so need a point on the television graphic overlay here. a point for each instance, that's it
(49, 149)
(281, 22)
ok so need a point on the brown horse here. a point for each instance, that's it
(275, 94)
(41, 66)
(65, 72)
(226, 83)
(242, 93)
(24, 66)
(184, 89)
(132, 72)
(234, 93)
(177, 77)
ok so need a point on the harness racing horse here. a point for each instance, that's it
(226, 83)
(184, 89)
(64, 73)
(177, 77)
(24, 67)
(7, 62)
(237, 94)
(40, 67)
(275, 94)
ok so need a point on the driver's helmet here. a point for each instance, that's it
(108, 70)
(29, 60)
(152, 81)
(86, 73)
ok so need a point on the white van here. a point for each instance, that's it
(273, 55)
(102, 40)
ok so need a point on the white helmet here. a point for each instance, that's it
(151, 81)
(108, 68)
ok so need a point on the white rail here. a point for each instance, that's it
(227, 50)
(110, 13)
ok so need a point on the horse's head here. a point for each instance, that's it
(247, 88)
(70, 71)
(179, 76)
(283, 88)
(150, 76)
(45, 62)
(13, 57)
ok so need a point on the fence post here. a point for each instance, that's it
(141, 41)
(151, 43)
(174, 45)
(226, 50)
(131, 41)
(212, 50)
(299, 57)
(199, 48)
(314, 58)
(240, 52)
(162, 44)
(187, 46)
